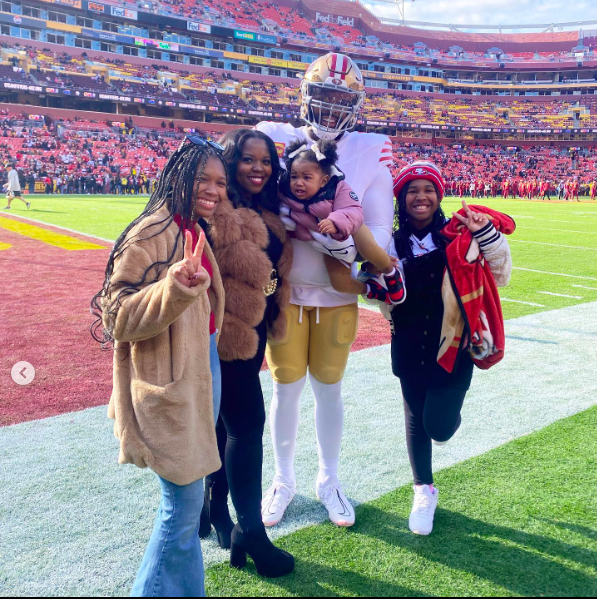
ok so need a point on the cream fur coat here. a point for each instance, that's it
(162, 395)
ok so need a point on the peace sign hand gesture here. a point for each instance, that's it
(474, 221)
(189, 272)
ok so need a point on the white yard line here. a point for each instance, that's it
(513, 301)
(555, 245)
(555, 274)
(578, 297)
(583, 287)
(41, 222)
(533, 387)
(559, 230)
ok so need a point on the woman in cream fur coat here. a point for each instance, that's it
(161, 306)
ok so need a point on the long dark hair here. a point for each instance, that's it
(234, 142)
(175, 191)
(403, 229)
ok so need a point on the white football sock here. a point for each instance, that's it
(284, 422)
(329, 422)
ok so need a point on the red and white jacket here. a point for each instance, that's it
(472, 309)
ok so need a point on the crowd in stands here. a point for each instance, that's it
(80, 156)
(224, 90)
(480, 170)
(287, 22)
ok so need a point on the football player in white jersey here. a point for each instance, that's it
(322, 322)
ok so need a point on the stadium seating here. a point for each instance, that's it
(110, 75)
(78, 149)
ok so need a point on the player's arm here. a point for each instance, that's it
(378, 207)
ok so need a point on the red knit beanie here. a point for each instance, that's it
(420, 170)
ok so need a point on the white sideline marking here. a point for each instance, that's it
(41, 222)
(555, 245)
(513, 301)
(556, 274)
(583, 287)
(369, 307)
(560, 295)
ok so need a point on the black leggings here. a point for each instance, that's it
(430, 413)
(240, 435)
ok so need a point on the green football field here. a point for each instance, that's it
(554, 248)
(517, 514)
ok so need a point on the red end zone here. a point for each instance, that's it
(45, 320)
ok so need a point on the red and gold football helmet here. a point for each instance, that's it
(333, 92)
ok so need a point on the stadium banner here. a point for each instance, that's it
(198, 27)
(40, 186)
(387, 76)
(96, 7)
(167, 46)
(334, 20)
(63, 27)
(163, 21)
(251, 36)
(71, 3)
(124, 13)
(108, 37)
(18, 20)
(22, 87)
(275, 62)
(236, 56)
(193, 51)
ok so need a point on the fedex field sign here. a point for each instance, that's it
(334, 20)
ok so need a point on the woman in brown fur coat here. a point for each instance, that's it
(254, 257)
(161, 305)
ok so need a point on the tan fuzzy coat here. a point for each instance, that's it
(162, 400)
(240, 239)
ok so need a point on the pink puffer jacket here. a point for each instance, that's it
(345, 211)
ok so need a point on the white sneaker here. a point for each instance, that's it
(275, 502)
(339, 509)
(421, 517)
(345, 251)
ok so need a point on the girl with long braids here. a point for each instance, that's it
(431, 355)
(255, 258)
(161, 306)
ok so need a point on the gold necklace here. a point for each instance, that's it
(273, 284)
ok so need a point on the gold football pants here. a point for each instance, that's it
(318, 339)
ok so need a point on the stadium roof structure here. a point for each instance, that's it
(442, 36)
(473, 28)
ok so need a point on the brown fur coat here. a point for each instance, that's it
(162, 399)
(240, 239)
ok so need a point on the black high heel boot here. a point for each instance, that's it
(270, 561)
(215, 513)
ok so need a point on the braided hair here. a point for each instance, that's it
(175, 190)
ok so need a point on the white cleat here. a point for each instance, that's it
(423, 512)
(345, 251)
(339, 508)
(275, 502)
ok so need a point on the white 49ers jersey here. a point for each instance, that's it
(365, 159)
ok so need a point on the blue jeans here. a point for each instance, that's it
(173, 564)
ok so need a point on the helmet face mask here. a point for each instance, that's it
(333, 92)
